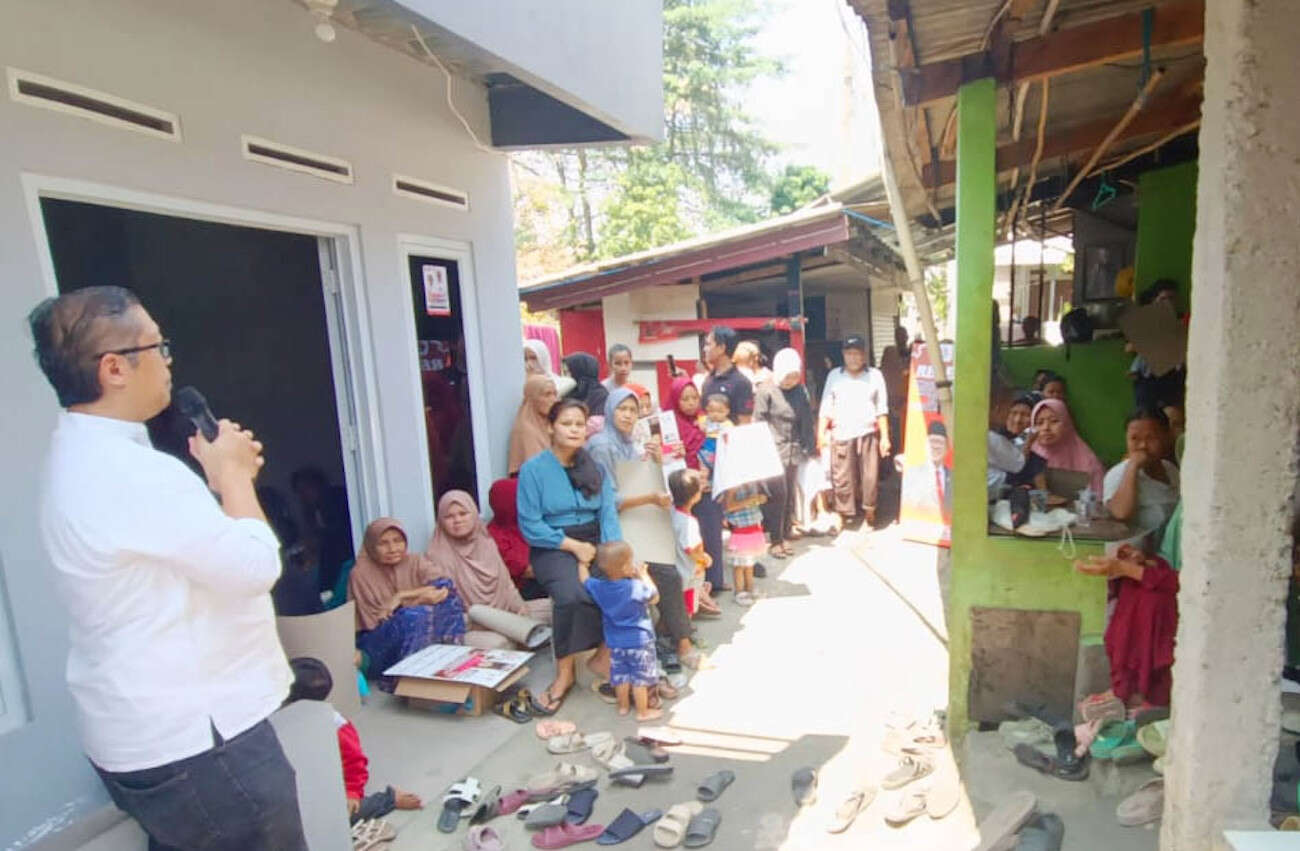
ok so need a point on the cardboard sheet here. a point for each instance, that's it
(648, 529)
(746, 454)
(517, 628)
(1157, 334)
(331, 638)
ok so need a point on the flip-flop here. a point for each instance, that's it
(714, 785)
(1006, 821)
(702, 828)
(856, 802)
(1044, 833)
(512, 801)
(509, 709)
(644, 751)
(581, 803)
(564, 835)
(604, 690)
(458, 798)
(908, 806)
(910, 767)
(546, 815)
(670, 829)
(549, 729)
(803, 785)
(483, 838)
(539, 710)
(489, 806)
(627, 825)
(1143, 806)
(575, 741)
(641, 771)
(658, 735)
(611, 754)
(565, 777)
(943, 795)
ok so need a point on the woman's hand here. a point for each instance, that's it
(654, 449)
(581, 550)
(394, 603)
(1097, 566)
(664, 501)
(434, 596)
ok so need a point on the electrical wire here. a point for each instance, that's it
(451, 103)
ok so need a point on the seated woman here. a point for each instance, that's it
(1140, 634)
(1060, 446)
(530, 435)
(1012, 462)
(402, 604)
(1142, 490)
(503, 497)
(566, 507)
(462, 551)
(617, 443)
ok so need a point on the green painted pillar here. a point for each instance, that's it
(976, 223)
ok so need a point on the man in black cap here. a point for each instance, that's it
(854, 424)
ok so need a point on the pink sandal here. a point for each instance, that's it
(550, 728)
(564, 835)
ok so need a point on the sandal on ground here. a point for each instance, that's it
(581, 803)
(650, 769)
(368, 833)
(483, 838)
(1103, 707)
(627, 825)
(564, 835)
(459, 798)
(943, 795)
(910, 767)
(856, 802)
(1005, 821)
(488, 806)
(1143, 806)
(702, 827)
(510, 709)
(671, 829)
(575, 741)
(714, 785)
(565, 777)
(777, 552)
(604, 689)
(547, 730)
(512, 801)
(658, 736)
(644, 750)
(666, 689)
(803, 786)
(908, 806)
(1044, 832)
(545, 815)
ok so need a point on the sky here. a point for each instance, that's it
(812, 111)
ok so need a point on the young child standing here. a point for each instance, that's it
(692, 560)
(742, 506)
(624, 597)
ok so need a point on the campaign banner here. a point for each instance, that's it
(925, 510)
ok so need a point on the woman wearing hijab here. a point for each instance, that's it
(784, 405)
(464, 552)
(530, 433)
(1060, 446)
(684, 401)
(567, 506)
(585, 369)
(504, 529)
(402, 604)
(537, 361)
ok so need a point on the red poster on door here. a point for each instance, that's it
(925, 512)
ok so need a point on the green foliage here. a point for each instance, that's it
(709, 173)
(797, 186)
(936, 286)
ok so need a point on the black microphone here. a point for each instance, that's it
(191, 405)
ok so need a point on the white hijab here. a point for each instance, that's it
(563, 383)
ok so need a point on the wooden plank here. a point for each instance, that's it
(1022, 655)
(1061, 52)
(1156, 119)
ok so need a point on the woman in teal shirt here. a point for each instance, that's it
(567, 506)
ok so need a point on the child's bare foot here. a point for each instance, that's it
(649, 714)
(406, 800)
(623, 710)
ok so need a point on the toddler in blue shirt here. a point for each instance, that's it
(624, 596)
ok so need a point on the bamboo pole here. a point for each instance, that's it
(1018, 120)
(1134, 108)
(1146, 149)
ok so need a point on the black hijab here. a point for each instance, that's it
(797, 398)
(585, 369)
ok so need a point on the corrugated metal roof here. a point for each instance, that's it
(947, 29)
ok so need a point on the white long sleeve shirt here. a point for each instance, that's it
(853, 403)
(172, 628)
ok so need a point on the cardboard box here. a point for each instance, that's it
(440, 691)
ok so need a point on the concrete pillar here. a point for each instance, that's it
(1242, 412)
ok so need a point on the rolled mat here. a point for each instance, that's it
(517, 628)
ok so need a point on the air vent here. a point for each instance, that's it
(296, 159)
(431, 193)
(48, 93)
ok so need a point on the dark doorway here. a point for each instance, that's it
(246, 313)
(440, 334)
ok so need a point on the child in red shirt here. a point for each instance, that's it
(312, 681)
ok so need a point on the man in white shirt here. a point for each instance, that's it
(174, 662)
(854, 423)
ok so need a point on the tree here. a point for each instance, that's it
(936, 287)
(796, 186)
(710, 172)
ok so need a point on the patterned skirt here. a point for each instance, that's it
(411, 629)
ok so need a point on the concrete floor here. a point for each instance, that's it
(807, 677)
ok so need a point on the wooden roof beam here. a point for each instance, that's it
(1060, 52)
(1158, 118)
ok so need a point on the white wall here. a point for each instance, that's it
(621, 312)
(591, 54)
(237, 66)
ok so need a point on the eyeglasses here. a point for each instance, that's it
(164, 347)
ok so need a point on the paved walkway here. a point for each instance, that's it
(807, 677)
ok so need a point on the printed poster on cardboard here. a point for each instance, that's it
(437, 291)
(925, 511)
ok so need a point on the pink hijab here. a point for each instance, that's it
(1070, 452)
(473, 563)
